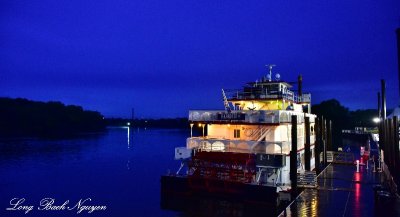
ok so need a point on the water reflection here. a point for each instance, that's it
(207, 206)
(129, 147)
(118, 168)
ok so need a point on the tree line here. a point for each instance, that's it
(343, 118)
(22, 117)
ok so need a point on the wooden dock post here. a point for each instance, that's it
(317, 145)
(293, 157)
(386, 139)
(307, 151)
(389, 144)
(383, 87)
(379, 105)
(396, 149)
(323, 129)
(383, 142)
(329, 137)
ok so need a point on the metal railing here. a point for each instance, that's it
(263, 94)
(243, 146)
(246, 116)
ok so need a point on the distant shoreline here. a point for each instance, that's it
(162, 123)
(26, 118)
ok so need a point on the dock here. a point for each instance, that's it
(342, 191)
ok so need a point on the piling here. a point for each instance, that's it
(323, 129)
(384, 131)
(380, 124)
(293, 157)
(329, 137)
(317, 145)
(383, 90)
(307, 151)
(379, 105)
(398, 54)
(396, 148)
(391, 145)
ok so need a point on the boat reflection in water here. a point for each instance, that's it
(201, 205)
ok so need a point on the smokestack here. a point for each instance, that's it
(398, 55)
(300, 85)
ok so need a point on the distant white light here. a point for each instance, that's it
(376, 120)
(129, 123)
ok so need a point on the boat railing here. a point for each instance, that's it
(242, 146)
(261, 94)
(247, 116)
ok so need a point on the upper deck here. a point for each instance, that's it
(264, 102)
(267, 90)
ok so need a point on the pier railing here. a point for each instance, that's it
(246, 116)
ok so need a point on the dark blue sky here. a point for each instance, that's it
(166, 57)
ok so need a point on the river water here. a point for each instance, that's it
(119, 169)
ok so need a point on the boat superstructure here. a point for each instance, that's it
(247, 143)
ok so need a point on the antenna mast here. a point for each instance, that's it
(226, 103)
(270, 66)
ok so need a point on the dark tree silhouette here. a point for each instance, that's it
(22, 117)
(338, 114)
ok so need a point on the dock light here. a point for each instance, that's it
(376, 120)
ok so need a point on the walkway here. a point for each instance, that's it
(342, 192)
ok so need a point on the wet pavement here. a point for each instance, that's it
(343, 192)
